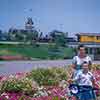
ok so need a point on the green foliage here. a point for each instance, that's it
(44, 51)
(24, 98)
(24, 36)
(16, 85)
(60, 40)
(43, 76)
(50, 76)
(28, 83)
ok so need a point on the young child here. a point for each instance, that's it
(85, 80)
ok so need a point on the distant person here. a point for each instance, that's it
(79, 59)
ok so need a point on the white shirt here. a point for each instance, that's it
(78, 61)
(84, 79)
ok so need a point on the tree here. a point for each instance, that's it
(41, 35)
(58, 37)
(12, 34)
(60, 40)
(23, 35)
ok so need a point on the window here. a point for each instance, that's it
(98, 37)
(91, 36)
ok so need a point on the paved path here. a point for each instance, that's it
(10, 67)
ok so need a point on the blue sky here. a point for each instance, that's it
(65, 15)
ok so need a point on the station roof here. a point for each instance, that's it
(88, 34)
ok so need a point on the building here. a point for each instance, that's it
(22, 34)
(29, 24)
(92, 42)
(89, 37)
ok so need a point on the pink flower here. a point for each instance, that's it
(4, 78)
(19, 75)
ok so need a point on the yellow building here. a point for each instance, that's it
(89, 37)
(92, 42)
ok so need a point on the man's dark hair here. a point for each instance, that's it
(85, 62)
(81, 46)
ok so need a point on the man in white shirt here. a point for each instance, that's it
(85, 79)
(79, 59)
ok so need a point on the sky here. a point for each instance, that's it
(71, 16)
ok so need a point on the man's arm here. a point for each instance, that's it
(75, 79)
(93, 80)
(74, 62)
(90, 63)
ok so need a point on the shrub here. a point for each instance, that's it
(24, 86)
(51, 76)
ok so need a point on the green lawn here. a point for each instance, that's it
(41, 52)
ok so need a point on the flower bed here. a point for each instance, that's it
(16, 97)
(39, 84)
